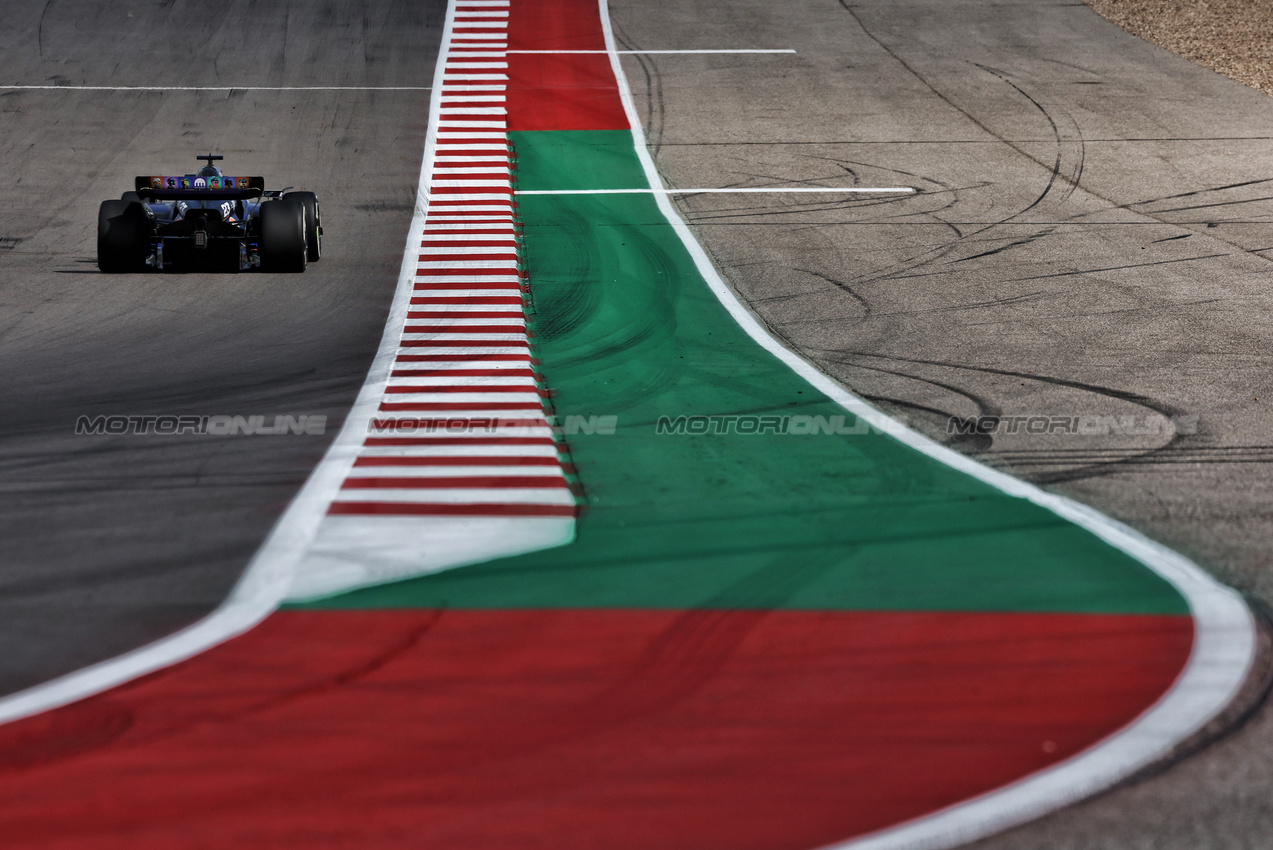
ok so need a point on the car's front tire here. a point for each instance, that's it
(123, 237)
(283, 244)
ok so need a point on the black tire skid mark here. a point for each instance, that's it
(86, 727)
(1072, 179)
(847, 289)
(974, 442)
(655, 109)
(563, 310)
(1177, 441)
(1053, 168)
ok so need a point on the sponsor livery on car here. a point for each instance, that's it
(208, 219)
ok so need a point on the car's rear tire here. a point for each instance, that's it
(313, 223)
(283, 246)
(123, 237)
(131, 197)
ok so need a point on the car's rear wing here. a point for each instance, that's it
(191, 187)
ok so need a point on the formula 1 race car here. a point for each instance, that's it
(208, 219)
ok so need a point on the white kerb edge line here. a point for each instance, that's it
(1224, 641)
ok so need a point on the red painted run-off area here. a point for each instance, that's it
(567, 91)
(576, 729)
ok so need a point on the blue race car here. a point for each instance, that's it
(208, 219)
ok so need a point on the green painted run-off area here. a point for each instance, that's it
(625, 326)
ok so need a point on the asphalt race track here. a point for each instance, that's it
(1091, 238)
(111, 542)
(1088, 242)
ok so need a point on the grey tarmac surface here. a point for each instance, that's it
(1090, 244)
(111, 542)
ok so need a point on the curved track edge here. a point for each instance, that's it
(1225, 631)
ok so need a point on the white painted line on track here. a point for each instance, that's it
(1224, 640)
(645, 52)
(216, 88)
(894, 190)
